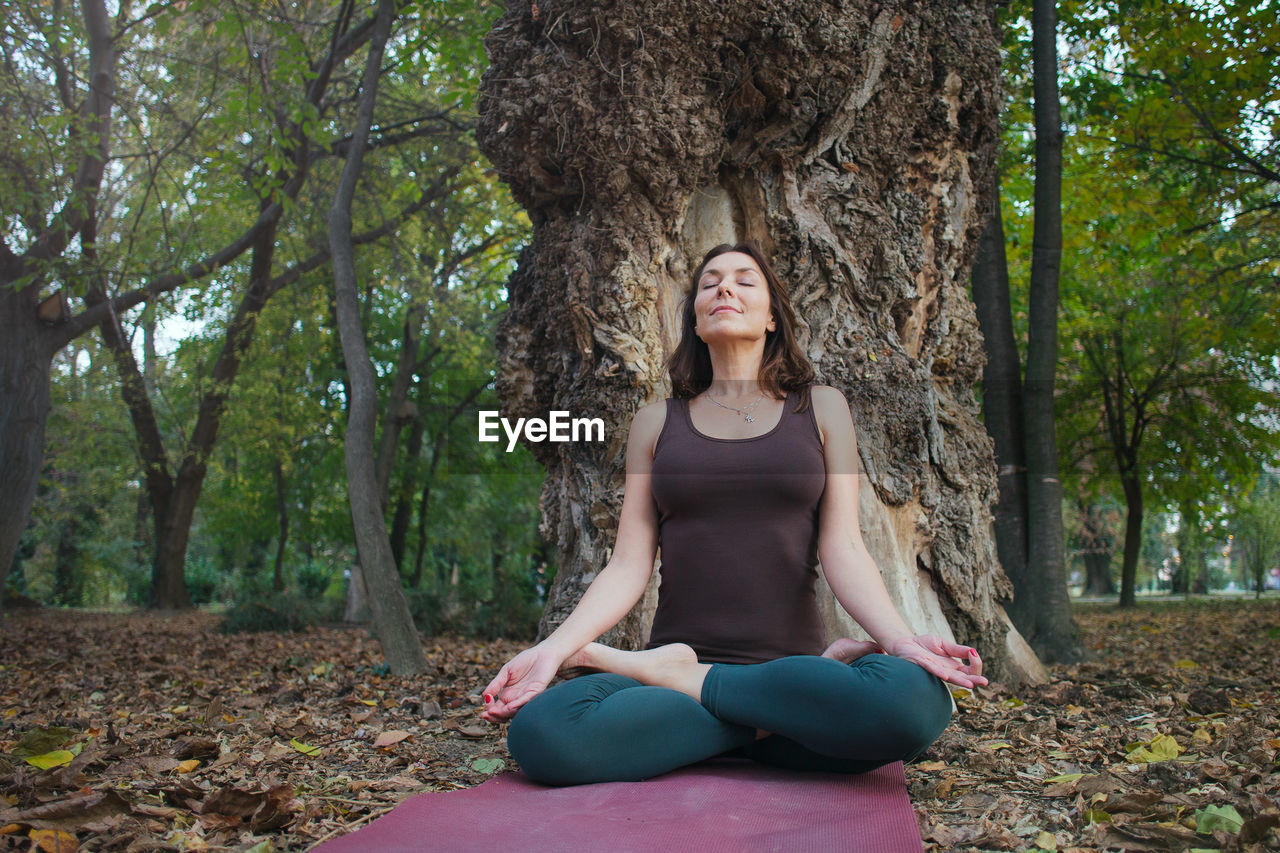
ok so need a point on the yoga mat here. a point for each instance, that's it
(727, 804)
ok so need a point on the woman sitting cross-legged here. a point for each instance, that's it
(746, 479)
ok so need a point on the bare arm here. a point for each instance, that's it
(610, 596)
(848, 567)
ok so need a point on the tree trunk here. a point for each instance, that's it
(25, 362)
(27, 346)
(1132, 538)
(392, 621)
(1097, 546)
(399, 409)
(1002, 410)
(855, 141)
(1055, 635)
(282, 540)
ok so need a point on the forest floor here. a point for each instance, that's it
(164, 734)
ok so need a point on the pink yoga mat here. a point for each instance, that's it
(729, 805)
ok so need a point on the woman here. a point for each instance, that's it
(746, 478)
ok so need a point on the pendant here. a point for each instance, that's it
(750, 419)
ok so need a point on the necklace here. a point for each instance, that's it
(743, 411)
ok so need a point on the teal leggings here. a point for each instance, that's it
(823, 715)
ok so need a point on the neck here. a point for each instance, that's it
(735, 371)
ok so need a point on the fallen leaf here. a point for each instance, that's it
(72, 813)
(1160, 748)
(187, 766)
(1065, 777)
(54, 840)
(1218, 817)
(488, 765)
(49, 760)
(1046, 841)
(304, 748)
(390, 738)
(41, 741)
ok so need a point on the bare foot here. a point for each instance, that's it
(674, 665)
(846, 650)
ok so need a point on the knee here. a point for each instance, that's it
(536, 740)
(924, 711)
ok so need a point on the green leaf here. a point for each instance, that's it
(304, 748)
(488, 765)
(48, 760)
(1065, 777)
(1159, 748)
(1218, 817)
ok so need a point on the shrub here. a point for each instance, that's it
(282, 613)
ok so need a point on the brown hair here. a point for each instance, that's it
(783, 367)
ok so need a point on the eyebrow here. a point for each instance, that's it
(739, 269)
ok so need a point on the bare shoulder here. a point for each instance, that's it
(646, 426)
(830, 408)
(650, 418)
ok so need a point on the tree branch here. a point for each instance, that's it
(67, 222)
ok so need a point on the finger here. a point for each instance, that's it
(955, 650)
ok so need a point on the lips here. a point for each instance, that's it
(725, 308)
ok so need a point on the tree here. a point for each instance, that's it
(1019, 411)
(1257, 529)
(396, 632)
(59, 200)
(1170, 260)
(855, 143)
(69, 224)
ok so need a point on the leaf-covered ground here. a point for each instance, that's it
(157, 732)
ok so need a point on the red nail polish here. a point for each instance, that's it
(488, 699)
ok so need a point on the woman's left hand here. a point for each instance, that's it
(947, 660)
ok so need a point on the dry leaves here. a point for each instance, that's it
(181, 738)
(1164, 742)
(156, 732)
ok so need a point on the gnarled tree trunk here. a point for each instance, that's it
(850, 139)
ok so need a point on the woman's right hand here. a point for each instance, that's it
(523, 677)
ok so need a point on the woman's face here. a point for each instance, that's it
(732, 300)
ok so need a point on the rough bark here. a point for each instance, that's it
(392, 621)
(1054, 634)
(855, 142)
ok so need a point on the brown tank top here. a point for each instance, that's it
(738, 529)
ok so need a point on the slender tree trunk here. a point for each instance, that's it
(282, 509)
(859, 155)
(398, 411)
(1132, 538)
(420, 554)
(1002, 411)
(403, 515)
(1055, 636)
(392, 621)
(68, 575)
